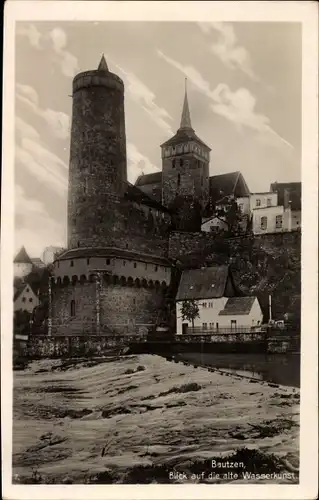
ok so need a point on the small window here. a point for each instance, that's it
(126, 246)
(27, 289)
(263, 223)
(71, 263)
(173, 163)
(204, 304)
(31, 299)
(134, 301)
(23, 299)
(156, 268)
(179, 179)
(135, 264)
(258, 203)
(268, 202)
(233, 323)
(181, 162)
(204, 326)
(124, 263)
(108, 262)
(278, 221)
(72, 308)
(88, 261)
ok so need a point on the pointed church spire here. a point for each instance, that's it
(103, 64)
(186, 118)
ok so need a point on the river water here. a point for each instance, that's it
(276, 368)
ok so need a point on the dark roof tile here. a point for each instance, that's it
(22, 257)
(238, 306)
(205, 283)
(153, 178)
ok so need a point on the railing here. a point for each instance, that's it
(198, 330)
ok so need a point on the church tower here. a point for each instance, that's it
(185, 160)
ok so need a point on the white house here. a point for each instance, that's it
(25, 298)
(212, 289)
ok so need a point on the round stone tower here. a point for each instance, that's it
(97, 174)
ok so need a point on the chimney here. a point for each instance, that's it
(286, 198)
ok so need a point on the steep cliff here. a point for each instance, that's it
(262, 265)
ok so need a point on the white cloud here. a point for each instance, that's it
(58, 121)
(68, 62)
(23, 129)
(56, 39)
(237, 107)
(46, 167)
(138, 163)
(227, 48)
(32, 33)
(36, 228)
(141, 94)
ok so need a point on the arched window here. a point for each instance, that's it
(72, 307)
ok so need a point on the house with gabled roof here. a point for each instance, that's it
(219, 309)
(25, 297)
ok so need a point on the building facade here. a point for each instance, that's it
(212, 289)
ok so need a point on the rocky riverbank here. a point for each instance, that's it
(142, 419)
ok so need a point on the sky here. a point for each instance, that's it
(244, 91)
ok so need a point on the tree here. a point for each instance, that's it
(190, 310)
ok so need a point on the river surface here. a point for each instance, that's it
(276, 368)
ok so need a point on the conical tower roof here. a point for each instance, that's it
(186, 117)
(22, 257)
(103, 64)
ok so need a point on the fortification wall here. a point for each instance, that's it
(124, 307)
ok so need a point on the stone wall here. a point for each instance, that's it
(262, 265)
(97, 173)
(76, 346)
(122, 309)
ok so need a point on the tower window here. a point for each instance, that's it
(173, 163)
(179, 179)
(181, 162)
(72, 308)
